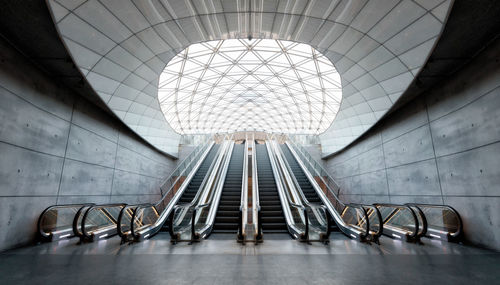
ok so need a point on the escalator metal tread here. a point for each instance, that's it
(226, 219)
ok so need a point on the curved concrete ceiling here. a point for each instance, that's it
(122, 46)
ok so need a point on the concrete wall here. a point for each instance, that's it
(57, 148)
(443, 147)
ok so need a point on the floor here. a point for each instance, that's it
(220, 260)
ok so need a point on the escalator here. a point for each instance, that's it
(226, 219)
(304, 183)
(272, 217)
(195, 183)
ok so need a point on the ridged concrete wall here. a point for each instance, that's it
(443, 147)
(57, 148)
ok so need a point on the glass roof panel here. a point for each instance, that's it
(236, 85)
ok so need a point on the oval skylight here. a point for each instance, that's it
(236, 85)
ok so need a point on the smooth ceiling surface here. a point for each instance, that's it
(122, 46)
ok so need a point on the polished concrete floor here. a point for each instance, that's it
(220, 260)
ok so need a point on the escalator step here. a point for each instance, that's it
(226, 218)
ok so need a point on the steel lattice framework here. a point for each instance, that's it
(235, 85)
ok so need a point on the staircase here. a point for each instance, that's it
(226, 219)
(273, 220)
(195, 183)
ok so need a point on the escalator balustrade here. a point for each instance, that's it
(195, 183)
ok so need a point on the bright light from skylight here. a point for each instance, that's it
(262, 85)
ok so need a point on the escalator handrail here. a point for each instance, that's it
(101, 206)
(304, 201)
(278, 177)
(204, 150)
(311, 158)
(122, 213)
(209, 147)
(459, 219)
(79, 213)
(244, 194)
(412, 212)
(421, 226)
(214, 168)
(184, 185)
(345, 228)
(303, 198)
(282, 161)
(195, 201)
(256, 214)
(366, 218)
(379, 217)
(44, 212)
(318, 174)
(198, 148)
(217, 185)
(294, 179)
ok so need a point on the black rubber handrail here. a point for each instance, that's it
(80, 212)
(106, 213)
(346, 231)
(304, 236)
(305, 201)
(192, 204)
(456, 235)
(421, 226)
(244, 192)
(365, 214)
(397, 206)
(41, 234)
(379, 217)
(209, 145)
(255, 182)
(120, 217)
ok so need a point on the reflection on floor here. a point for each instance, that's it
(224, 261)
